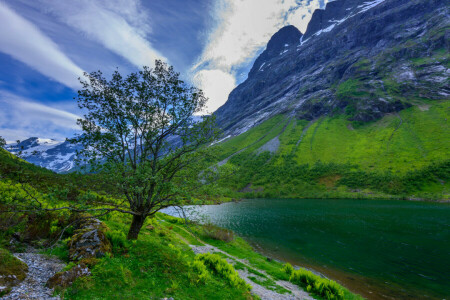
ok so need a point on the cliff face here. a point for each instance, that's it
(358, 57)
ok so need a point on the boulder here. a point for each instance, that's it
(89, 241)
(66, 278)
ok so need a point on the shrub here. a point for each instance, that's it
(326, 288)
(201, 274)
(117, 238)
(288, 268)
(222, 268)
(218, 233)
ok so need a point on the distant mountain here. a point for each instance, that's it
(55, 155)
(360, 58)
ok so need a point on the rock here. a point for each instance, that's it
(66, 278)
(89, 241)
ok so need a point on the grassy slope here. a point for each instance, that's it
(156, 266)
(399, 145)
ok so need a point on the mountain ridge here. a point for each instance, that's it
(306, 82)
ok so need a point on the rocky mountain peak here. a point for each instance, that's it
(360, 58)
(286, 37)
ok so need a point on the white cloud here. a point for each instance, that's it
(22, 118)
(26, 43)
(216, 84)
(119, 25)
(243, 28)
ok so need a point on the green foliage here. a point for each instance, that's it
(127, 128)
(323, 287)
(288, 269)
(201, 272)
(220, 267)
(117, 238)
(404, 156)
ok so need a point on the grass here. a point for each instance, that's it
(398, 148)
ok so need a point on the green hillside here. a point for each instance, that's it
(401, 155)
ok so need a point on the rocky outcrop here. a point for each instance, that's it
(358, 57)
(66, 278)
(89, 241)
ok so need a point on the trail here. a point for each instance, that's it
(40, 268)
(263, 292)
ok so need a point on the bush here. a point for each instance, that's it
(117, 238)
(313, 283)
(201, 272)
(288, 268)
(218, 233)
(223, 269)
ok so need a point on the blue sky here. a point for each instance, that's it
(45, 45)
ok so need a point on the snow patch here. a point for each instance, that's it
(261, 66)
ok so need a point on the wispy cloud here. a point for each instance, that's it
(122, 26)
(22, 118)
(26, 43)
(243, 29)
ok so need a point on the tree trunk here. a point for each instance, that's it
(135, 227)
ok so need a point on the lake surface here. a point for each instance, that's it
(379, 249)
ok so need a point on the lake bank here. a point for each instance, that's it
(394, 247)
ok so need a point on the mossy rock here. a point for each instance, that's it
(89, 241)
(12, 271)
(66, 278)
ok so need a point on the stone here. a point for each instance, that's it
(66, 278)
(89, 241)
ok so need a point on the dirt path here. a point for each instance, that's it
(257, 289)
(263, 292)
(40, 269)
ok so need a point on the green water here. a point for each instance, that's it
(380, 249)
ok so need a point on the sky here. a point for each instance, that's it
(45, 45)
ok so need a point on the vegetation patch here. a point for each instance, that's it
(12, 271)
(313, 283)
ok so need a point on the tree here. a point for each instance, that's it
(2, 142)
(141, 133)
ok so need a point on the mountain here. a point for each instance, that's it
(361, 58)
(54, 155)
(356, 107)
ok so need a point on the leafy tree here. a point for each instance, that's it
(2, 142)
(140, 132)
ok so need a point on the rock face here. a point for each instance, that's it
(89, 241)
(358, 57)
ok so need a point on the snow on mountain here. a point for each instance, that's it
(58, 156)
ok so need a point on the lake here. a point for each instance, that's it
(381, 249)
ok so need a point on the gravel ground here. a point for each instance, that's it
(40, 269)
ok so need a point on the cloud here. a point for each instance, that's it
(216, 85)
(26, 43)
(242, 30)
(22, 118)
(119, 25)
